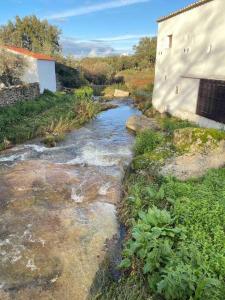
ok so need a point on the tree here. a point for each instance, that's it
(11, 68)
(145, 52)
(32, 34)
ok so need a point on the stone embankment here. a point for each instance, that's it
(14, 94)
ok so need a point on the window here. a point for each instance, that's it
(170, 41)
(211, 98)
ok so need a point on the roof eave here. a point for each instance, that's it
(187, 8)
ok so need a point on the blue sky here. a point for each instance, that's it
(96, 27)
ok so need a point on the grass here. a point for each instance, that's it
(137, 79)
(49, 116)
(175, 245)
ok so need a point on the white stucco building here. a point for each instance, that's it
(40, 68)
(190, 67)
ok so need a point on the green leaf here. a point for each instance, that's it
(125, 263)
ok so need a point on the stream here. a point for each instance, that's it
(58, 208)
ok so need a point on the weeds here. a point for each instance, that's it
(147, 141)
(86, 109)
(50, 116)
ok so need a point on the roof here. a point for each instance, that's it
(26, 52)
(189, 7)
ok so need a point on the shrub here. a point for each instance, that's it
(170, 124)
(147, 141)
(86, 109)
(84, 93)
(153, 239)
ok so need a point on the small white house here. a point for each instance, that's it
(190, 67)
(41, 68)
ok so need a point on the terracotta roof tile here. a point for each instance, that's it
(26, 52)
(189, 7)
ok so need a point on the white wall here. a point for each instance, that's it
(42, 71)
(198, 51)
(47, 76)
(31, 72)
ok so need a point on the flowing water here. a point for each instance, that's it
(57, 209)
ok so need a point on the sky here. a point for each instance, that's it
(96, 27)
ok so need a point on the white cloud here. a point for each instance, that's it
(120, 38)
(100, 46)
(83, 48)
(88, 9)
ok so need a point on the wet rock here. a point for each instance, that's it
(51, 234)
(141, 123)
(53, 185)
(107, 106)
(121, 94)
(195, 165)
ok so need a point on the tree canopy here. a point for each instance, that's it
(145, 51)
(32, 34)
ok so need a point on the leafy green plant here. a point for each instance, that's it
(147, 141)
(170, 124)
(84, 93)
(153, 240)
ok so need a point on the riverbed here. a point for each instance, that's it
(58, 208)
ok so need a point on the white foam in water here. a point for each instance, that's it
(104, 189)
(37, 148)
(11, 158)
(92, 155)
(75, 197)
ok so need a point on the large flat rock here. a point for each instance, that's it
(195, 165)
(54, 222)
(141, 123)
(121, 94)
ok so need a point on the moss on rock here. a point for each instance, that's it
(197, 139)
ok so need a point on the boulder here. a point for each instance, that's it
(194, 140)
(195, 165)
(141, 123)
(121, 94)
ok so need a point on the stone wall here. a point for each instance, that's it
(14, 94)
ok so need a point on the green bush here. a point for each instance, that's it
(84, 92)
(147, 141)
(170, 124)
